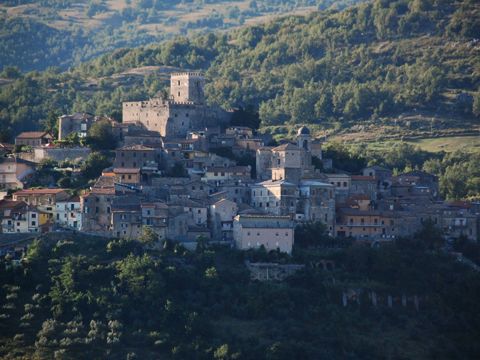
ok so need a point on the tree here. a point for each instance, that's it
(430, 235)
(94, 165)
(50, 123)
(312, 234)
(247, 116)
(101, 137)
(149, 237)
(177, 170)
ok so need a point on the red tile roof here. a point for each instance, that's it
(38, 192)
(32, 135)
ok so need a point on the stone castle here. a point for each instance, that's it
(184, 111)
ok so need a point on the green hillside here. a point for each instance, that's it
(36, 34)
(175, 304)
(368, 65)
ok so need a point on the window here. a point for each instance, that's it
(96, 210)
(34, 223)
(34, 216)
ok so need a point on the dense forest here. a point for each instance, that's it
(82, 297)
(36, 34)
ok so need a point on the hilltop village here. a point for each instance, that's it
(180, 170)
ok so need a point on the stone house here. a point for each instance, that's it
(13, 173)
(155, 215)
(365, 185)
(272, 232)
(127, 175)
(19, 217)
(136, 156)
(96, 205)
(126, 217)
(275, 197)
(78, 123)
(44, 199)
(33, 138)
(197, 210)
(221, 217)
(69, 213)
(221, 174)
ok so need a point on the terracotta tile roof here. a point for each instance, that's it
(11, 204)
(103, 191)
(32, 135)
(287, 146)
(38, 192)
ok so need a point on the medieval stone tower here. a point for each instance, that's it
(187, 87)
(183, 111)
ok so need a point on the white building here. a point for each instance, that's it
(68, 213)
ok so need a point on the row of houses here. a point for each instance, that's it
(187, 183)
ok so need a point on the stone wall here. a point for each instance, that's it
(75, 154)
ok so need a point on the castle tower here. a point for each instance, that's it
(187, 87)
(303, 138)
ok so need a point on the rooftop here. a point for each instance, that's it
(136, 148)
(126, 170)
(32, 135)
(38, 192)
(287, 146)
(274, 182)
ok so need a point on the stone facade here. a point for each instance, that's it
(75, 154)
(33, 138)
(78, 123)
(183, 112)
(272, 232)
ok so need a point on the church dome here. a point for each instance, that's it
(303, 131)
